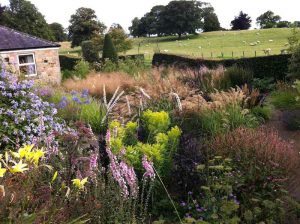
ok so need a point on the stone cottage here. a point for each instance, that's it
(30, 56)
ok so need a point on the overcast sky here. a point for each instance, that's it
(123, 11)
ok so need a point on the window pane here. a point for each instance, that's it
(24, 59)
(27, 70)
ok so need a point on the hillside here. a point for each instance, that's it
(205, 44)
(216, 43)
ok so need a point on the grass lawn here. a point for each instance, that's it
(212, 44)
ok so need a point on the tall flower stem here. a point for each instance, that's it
(172, 202)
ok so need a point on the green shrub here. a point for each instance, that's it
(284, 99)
(92, 113)
(90, 52)
(239, 76)
(275, 66)
(294, 65)
(82, 68)
(68, 62)
(75, 106)
(217, 202)
(109, 50)
(261, 159)
(158, 141)
(156, 122)
(131, 66)
(264, 85)
(263, 113)
(222, 120)
(109, 66)
(67, 74)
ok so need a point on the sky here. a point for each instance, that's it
(123, 11)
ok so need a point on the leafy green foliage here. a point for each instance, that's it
(263, 113)
(223, 120)
(109, 50)
(177, 17)
(180, 17)
(58, 32)
(90, 52)
(241, 22)
(84, 25)
(284, 99)
(156, 122)
(239, 76)
(218, 203)
(268, 20)
(264, 85)
(294, 65)
(159, 143)
(275, 66)
(261, 159)
(22, 15)
(211, 21)
(120, 40)
(68, 62)
(81, 69)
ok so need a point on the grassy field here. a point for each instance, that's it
(226, 44)
(213, 44)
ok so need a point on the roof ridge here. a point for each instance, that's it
(29, 35)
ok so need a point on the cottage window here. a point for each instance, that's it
(27, 65)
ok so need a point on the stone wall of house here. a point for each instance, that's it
(47, 63)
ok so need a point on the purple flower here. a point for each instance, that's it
(148, 166)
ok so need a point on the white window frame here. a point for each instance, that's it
(25, 64)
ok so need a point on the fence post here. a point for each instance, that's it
(211, 54)
(232, 54)
(255, 53)
(243, 53)
(202, 55)
(222, 55)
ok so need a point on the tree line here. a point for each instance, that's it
(187, 17)
(176, 18)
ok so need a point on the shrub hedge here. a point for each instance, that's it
(132, 57)
(68, 62)
(275, 66)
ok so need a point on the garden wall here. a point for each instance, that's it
(275, 66)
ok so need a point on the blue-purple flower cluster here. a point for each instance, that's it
(24, 116)
(76, 97)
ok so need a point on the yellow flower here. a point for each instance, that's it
(54, 177)
(37, 155)
(19, 167)
(80, 183)
(24, 152)
(2, 171)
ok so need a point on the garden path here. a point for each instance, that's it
(277, 123)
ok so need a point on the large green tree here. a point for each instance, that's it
(84, 24)
(180, 17)
(268, 20)
(22, 15)
(135, 28)
(58, 32)
(241, 22)
(211, 21)
(119, 38)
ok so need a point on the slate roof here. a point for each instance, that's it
(14, 40)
